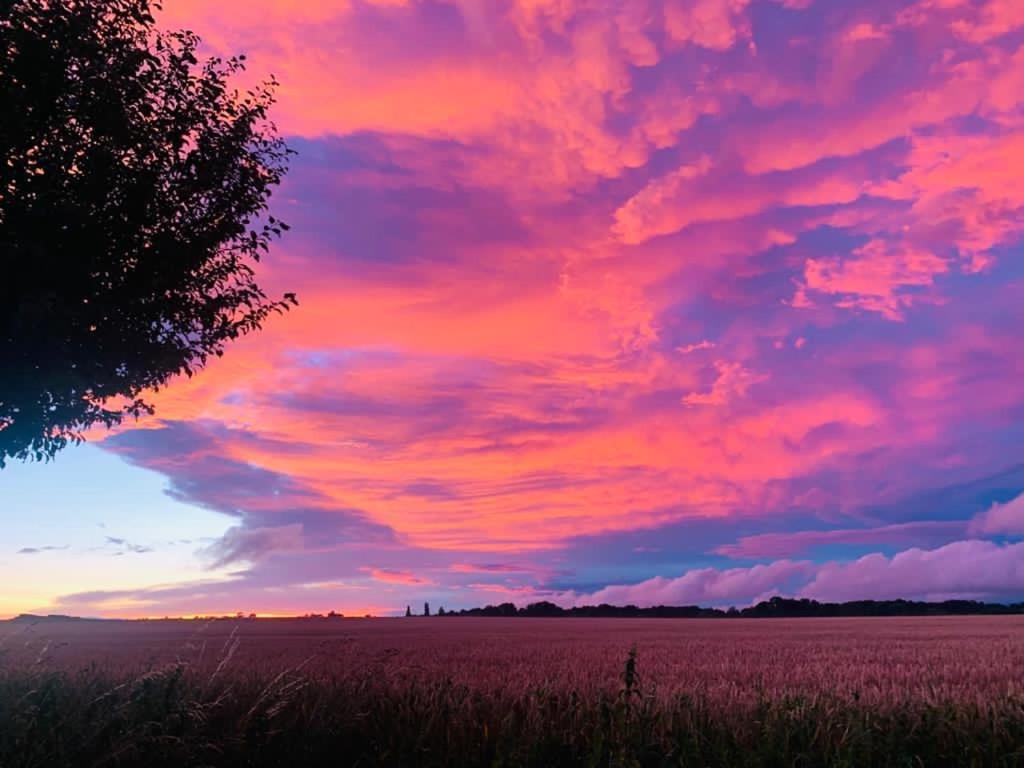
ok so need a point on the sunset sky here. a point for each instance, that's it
(694, 301)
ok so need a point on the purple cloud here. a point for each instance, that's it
(38, 550)
(246, 545)
(962, 569)
(788, 544)
(971, 569)
(1000, 520)
(708, 586)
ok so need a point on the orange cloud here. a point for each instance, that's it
(395, 577)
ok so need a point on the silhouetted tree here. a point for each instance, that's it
(134, 184)
(426, 609)
(543, 608)
(440, 611)
(408, 611)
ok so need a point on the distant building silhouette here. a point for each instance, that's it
(426, 609)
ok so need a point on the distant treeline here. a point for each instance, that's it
(777, 607)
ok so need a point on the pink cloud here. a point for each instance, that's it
(395, 577)
(693, 193)
(880, 277)
(963, 189)
(706, 586)
(490, 568)
(1000, 520)
(992, 19)
(967, 569)
(947, 572)
(954, 88)
(696, 347)
(716, 24)
(733, 381)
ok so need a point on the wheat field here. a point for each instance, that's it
(505, 692)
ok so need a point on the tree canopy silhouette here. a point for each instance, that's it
(134, 191)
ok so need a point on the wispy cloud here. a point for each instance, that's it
(245, 545)
(395, 577)
(788, 544)
(119, 546)
(38, 550)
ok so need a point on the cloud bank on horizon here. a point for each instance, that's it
(635, 301)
